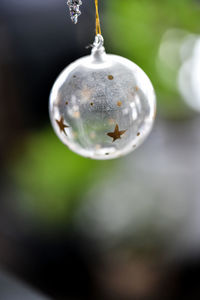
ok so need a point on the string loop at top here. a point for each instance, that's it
(98, 26)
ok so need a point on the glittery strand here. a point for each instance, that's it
(74, 9)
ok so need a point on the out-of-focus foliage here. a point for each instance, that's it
(51, 180)
(135, 29)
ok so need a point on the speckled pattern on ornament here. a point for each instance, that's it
(102, 106)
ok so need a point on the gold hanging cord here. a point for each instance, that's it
(98, 26)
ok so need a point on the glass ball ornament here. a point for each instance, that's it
(102, 106)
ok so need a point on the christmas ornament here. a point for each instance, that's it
(102, 106)
(74, 9)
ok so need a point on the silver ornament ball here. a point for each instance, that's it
(102, 106)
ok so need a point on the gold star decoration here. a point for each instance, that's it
(119, 103)
(116, 134)
(136, 88)
(61, 125)
(110, 77)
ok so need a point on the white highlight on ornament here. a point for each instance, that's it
(107, 101)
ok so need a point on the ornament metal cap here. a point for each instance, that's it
(98, 50)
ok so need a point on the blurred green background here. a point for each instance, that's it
(53, 178)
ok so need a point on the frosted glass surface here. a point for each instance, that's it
(102, 106)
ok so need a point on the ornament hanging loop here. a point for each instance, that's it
(98, 42)
(98, 26)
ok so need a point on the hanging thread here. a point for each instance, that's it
(98, 26)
